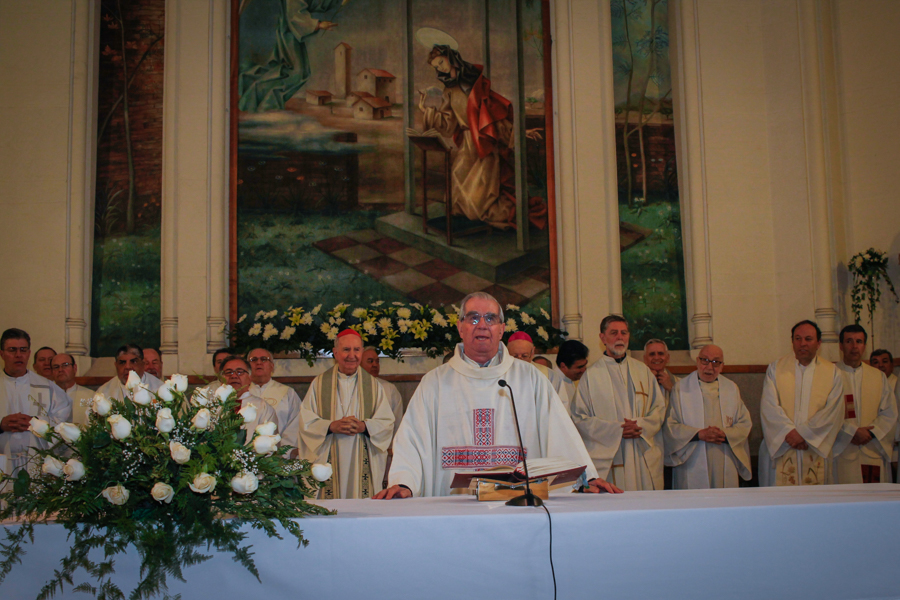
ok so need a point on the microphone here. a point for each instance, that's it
(526, 499)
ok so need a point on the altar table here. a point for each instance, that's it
(830, 542)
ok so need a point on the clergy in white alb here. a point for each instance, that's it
(571, 363)
(619, 411)
(282, 398)
(346, 420)
(24, 395)
(656, 357)
(864, 445)
(800, 413)
(707, 428)
(236, 372)
(372, 364)
(883, 360)
(64, 371)
(460, 419)
(128, 358)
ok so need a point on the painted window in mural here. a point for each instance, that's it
(350, 113)
(653, 284)
(126, 268)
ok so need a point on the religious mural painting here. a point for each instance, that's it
(353, 111)
(653, 285)
(126, 254)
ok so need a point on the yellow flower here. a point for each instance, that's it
(387, 344)
(296, 318)
(359, 313)
(404, 313)
(384, 323)
(453, 318)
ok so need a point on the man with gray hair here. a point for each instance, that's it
(282, 398)
(461, 418)
(656, 357)
(619, 411)
(129, 357)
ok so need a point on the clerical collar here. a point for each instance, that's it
(495, 360)
(847, 367)
(341, 376)
(13, 377)
(618, 360)
(263, 386)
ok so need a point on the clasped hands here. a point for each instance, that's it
(796, 441)
(349, 425)
(863, 436)
(15, 423)
(712, 435)
(630, 430)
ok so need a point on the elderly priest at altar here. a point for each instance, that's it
(707, 427)
(460, 419)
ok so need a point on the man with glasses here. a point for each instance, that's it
(282, 398)
(863, 447)
(129, 357)
(23, 395)
(460, 418)
(619, 411)
(800, 411)
(236, 372)
(64, 371)
(707, 428)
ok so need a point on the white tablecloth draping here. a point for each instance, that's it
(829, 542)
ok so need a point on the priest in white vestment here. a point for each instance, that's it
(883, 360)
(24, 395)
(864, 445)
(346, 420)
(707, 428)
(372, 364)
(619, 411)
(800, 413)
(236, 371)
(460, 419)
(571, 363)
(656, 357)
(64, 371)
(282, 398)
(129, 357)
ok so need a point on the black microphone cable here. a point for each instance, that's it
(552, 569)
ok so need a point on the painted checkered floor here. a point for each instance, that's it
(422, 277)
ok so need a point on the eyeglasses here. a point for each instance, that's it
(20, 350)
(262, 359)
(238, 372)
(62, 366)
(474, 318)
(714, 363)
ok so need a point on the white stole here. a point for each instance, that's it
(273, 393)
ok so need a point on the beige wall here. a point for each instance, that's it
(787, 128)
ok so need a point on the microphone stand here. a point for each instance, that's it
(526, 499)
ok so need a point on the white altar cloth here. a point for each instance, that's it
(829, 542)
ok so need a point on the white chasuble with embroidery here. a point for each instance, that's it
(867, 401)
(806, 399)
(609, 393)
(358, 460)
(696, 405)
(460, 419)
(31, 395)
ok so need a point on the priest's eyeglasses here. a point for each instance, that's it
(262, 359)
(474, 318)
(61, 366)
(714, 363)
(238, 372)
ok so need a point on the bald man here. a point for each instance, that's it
(282, 398)
(707, 428)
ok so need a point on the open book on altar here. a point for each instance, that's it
(559, 471)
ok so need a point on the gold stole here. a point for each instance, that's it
(327, 394)
(270, 398)
(811, 470)
(868, 404)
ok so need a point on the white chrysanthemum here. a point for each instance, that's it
(359, 313)
(271, 314)
(325, 328)
(369, 327)
(243, 316)
(511, 325)
(316, 310)
(397, 303)
(332, 333)
(544, 314)
(255, 330)
(438, 319)
(288, 332)
(527, 319)
(512, 307)
(270, 331)
(307, 346)
(378, 303)
(306, 319)
(384, 323)
(417, 305)
(259, 315)
(543, 333)
(404, 313)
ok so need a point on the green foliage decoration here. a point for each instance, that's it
(111, 495)
(869, 270)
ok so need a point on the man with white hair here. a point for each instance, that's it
(707, 428)
(282, 398)
(129, 357)
(656, 357)
(461, 418)
(346, 420)
(619, 411)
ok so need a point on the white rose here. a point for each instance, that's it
(133, 381)
(52, 466)
(180, 453)
(200, 397)
(162, 492)
(141, 395)
(322, 472)
(74, 469)
(164, 420)
(116, 494)
(248, 412)
(266, 428)
(265, 444)
(224, 392)
(203, 483)
(121, 427)
(39, 427)
(245, 483)
(101, 404)
(69, 432)
(180, 382)
(166, 391)
(201, 419)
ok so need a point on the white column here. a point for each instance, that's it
(170, 195)
(689, 137)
